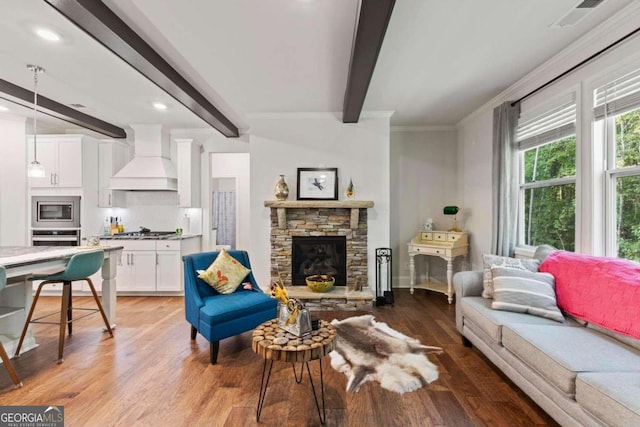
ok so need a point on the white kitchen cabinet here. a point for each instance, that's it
(139, 275)
(168, 270)
(138, 270)
(136, 267)
(113, 156)
(61, 157)
(149, 267)
(188, 153)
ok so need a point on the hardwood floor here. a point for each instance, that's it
(150, 374)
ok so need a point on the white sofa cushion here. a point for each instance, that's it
(478, 310)
(613, 397)
(560, 353)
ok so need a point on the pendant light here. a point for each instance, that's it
(35, 170)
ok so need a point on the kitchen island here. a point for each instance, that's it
(151, 265)
(23, 261)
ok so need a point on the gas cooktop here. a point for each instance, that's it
(143, 234)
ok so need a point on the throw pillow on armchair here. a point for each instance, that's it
(224, 274)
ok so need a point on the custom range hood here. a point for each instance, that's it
(151, 167)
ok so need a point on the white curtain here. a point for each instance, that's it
(223, 217)
(505, 179)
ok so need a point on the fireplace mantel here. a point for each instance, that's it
(283, 205)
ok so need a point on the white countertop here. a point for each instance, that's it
(16, 255)
(166, 237)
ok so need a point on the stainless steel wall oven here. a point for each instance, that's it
(55, 220)
(69, 237)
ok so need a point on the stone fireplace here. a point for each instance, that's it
(318, 255)
(345, 221)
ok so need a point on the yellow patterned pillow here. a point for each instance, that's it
(225, 273)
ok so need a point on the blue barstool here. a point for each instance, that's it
(79, 267)
(3, 353)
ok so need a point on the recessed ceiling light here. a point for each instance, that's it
(3, 108)
(47, 34)
(159, 106)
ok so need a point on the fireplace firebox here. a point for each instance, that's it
(319, 255)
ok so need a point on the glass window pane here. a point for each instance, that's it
(550, 216)
(554, 160)
(628, 217)
(628, 139)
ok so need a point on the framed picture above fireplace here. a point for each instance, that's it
(317, 183)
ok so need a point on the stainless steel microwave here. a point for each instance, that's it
(55, 212)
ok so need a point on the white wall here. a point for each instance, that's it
(14, 218)
(423, 181)
(475, 131)
(474, 182)
(281, 143)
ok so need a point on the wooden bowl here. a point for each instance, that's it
(320, 282)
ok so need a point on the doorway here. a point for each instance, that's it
(229, 200)
(223, 211)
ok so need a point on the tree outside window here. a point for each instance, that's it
(627, 184)
(549, 194)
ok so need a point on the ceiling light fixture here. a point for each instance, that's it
(159, 106)
(35, 170)
(47, 34)
(3, 108)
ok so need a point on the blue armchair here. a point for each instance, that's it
(218, 316)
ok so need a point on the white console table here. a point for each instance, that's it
(23, 261)
(447, 245)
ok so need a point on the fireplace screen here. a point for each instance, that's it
(319, 255)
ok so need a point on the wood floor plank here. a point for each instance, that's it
(152, 373)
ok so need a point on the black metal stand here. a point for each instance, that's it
(384, 295)
(264, 384)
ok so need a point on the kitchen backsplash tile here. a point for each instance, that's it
(156, 210)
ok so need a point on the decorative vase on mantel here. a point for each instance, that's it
(282, 189)
(350, 192)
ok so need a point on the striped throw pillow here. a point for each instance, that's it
(489, 261)
(523, 291)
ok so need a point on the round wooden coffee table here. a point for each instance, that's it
(274, 343)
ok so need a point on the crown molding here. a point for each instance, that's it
(318, 115)
(619, 25)
(294, 115)
(381, 114)
(435, 128)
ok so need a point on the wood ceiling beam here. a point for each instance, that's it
(371, 27)
(101, 23)
(21, 96)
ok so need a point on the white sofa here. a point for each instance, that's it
(580, 374)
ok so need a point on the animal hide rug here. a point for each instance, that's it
(366, 350)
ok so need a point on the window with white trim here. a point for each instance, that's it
(617, 115)
(547, 203)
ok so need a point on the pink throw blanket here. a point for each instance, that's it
(600, 290)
